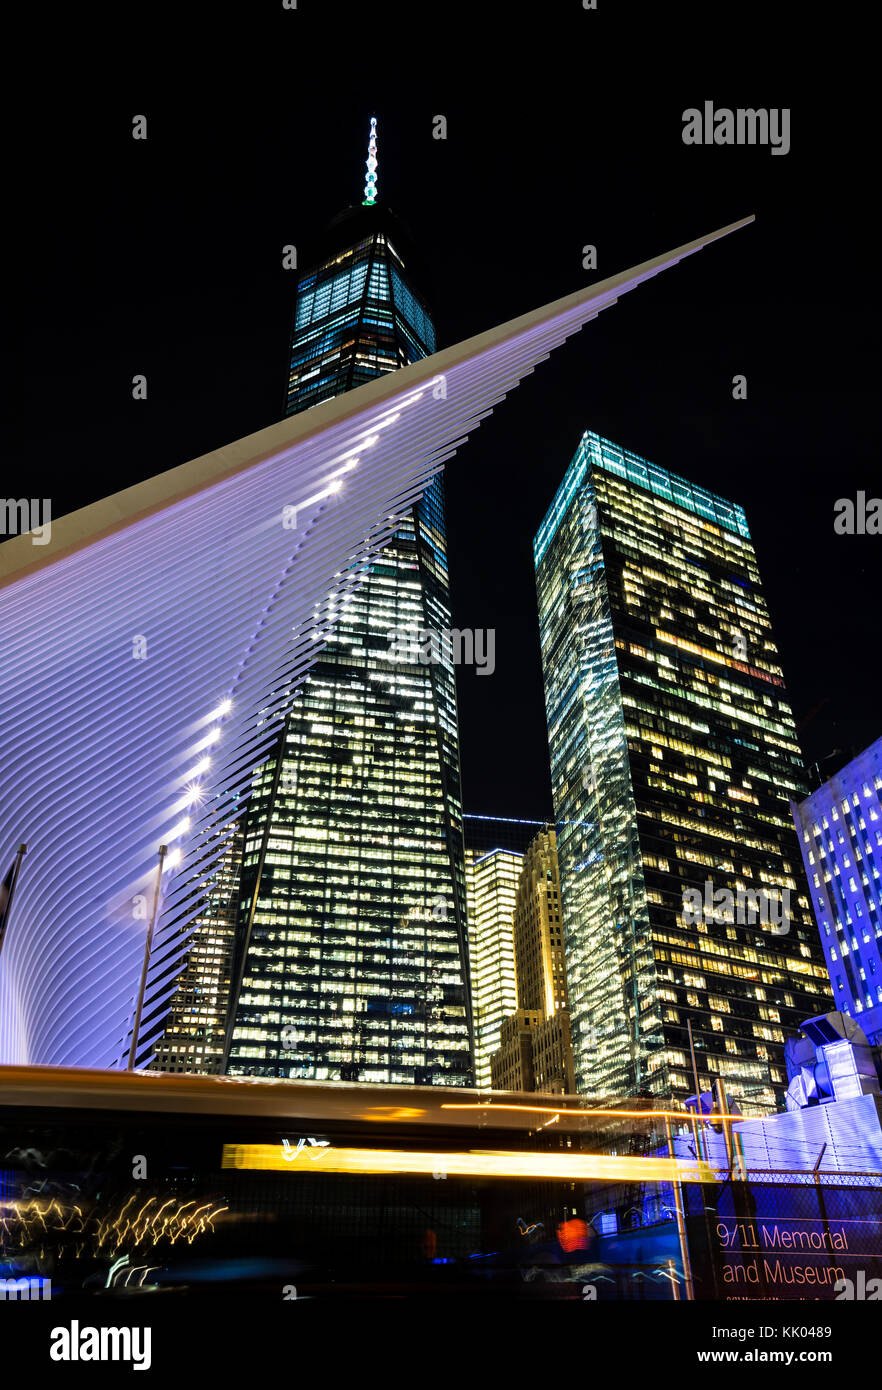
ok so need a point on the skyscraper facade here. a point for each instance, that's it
(535, 1052)
(840, 832)
(351, 954)
(495, 847)
(538, 933)
(491, 885)
(358, 313)
(673, 756)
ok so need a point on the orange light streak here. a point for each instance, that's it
(475, 1164)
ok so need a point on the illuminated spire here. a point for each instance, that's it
(370, 186)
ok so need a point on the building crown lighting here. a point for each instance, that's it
(370, 186)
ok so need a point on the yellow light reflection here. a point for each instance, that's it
(390, 1112)
(476, 1164)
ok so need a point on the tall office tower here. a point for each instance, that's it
(673, 755)
(535, 1052)
(491, 885)
(840, 832)
(494, 850)
(351, 951)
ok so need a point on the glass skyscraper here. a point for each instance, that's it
(351, 956)
(491, 887)
(535, 1052)
(357, 313)
(494, 850)
(840, 829)
(673, 756)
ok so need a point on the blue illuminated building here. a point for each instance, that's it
(833, 1116)
(840, 834)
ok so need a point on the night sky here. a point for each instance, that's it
(564, 128)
